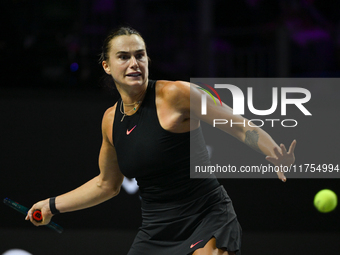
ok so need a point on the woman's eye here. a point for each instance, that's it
(139, 56)
(123, 57)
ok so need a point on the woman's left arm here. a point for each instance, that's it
(253, 136)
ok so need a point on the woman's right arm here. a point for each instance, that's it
(99, 189)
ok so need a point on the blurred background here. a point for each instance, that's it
(53, 95)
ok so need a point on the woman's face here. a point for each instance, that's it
(128, 61)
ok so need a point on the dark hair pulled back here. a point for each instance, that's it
(104, 56)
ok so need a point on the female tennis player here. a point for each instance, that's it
(146, 135)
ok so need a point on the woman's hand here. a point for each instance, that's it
(44, 207)
(283, 158)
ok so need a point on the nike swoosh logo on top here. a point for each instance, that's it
(192, 246)
(129, 131)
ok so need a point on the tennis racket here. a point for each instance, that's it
(37, 216)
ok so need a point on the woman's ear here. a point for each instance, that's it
(106, 67)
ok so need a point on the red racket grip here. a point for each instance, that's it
(37, 216)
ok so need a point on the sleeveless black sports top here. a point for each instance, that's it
(157, 158)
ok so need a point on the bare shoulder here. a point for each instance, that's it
(107, 123)
(173, 92)
(109, 114)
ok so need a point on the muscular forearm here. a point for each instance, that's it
(260, 141)
(89, 194)
(255, 137)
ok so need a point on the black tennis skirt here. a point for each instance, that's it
(181, 228)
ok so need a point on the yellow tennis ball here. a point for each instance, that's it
(325, 200)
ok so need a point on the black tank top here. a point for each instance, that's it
(157, 158)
